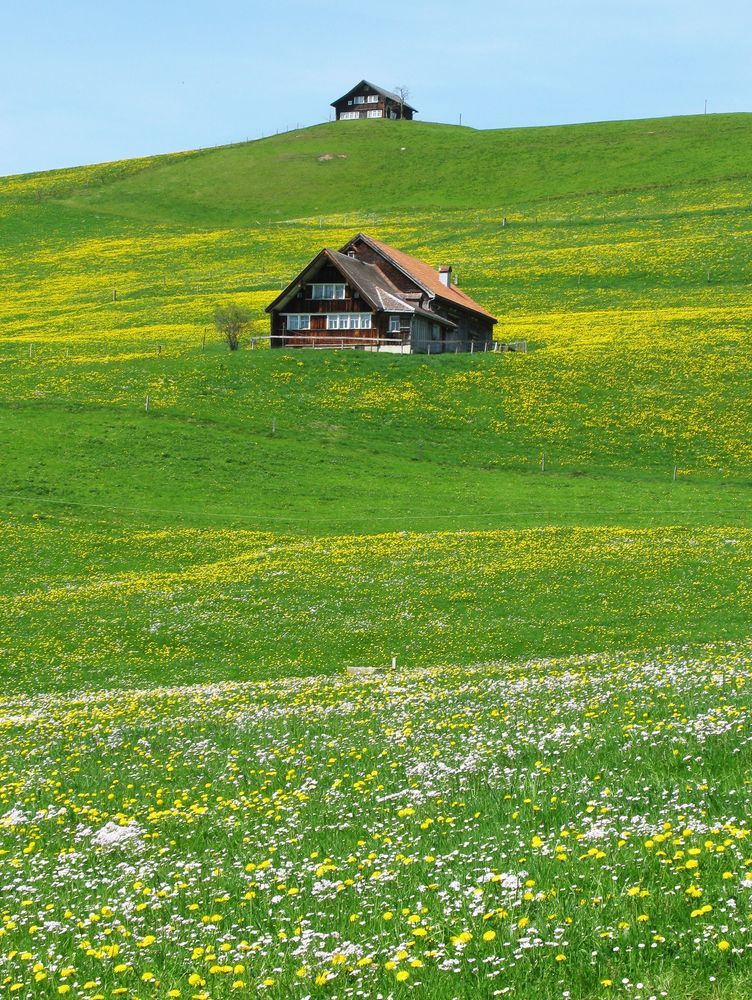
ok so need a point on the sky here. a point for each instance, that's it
(87, 81)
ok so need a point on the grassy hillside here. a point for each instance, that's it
(625, 263)
(371, 166)
(526, 826)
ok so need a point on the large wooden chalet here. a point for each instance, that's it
(366, 100)
(371, 296)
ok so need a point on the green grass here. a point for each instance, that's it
(401, 166)
(126, 607)
(548, 829)
(640, 361)
(153, 562)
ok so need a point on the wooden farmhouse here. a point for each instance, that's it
(371, 296)
(366, 100)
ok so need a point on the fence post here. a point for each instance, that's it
(543, 462)
(274, 425)
(146, 407)
(673, 478)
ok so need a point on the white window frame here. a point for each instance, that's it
(297, 321)
(359, 100)
(395, 324)
(372, 99)
(328, 290)
(349, 321)
(349, 114)
(375, 114)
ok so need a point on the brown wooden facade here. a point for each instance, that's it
(372, 296)
(366, 100)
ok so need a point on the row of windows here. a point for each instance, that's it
(334, 321)
(349, 321)
(371, 99)
(359, 114)
(328, 291)
(340, 321)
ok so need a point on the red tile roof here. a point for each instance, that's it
(427, 276)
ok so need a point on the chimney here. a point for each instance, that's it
(445, 275)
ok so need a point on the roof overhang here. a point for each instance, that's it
(435, 318)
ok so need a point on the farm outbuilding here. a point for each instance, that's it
(372, 296)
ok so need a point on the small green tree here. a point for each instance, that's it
(230, 320)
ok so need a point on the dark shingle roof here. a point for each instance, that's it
(379, 90)
(370, 282)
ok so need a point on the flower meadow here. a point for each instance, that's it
(548, 828)
(549, 795)
(635, 305)
(98, 608)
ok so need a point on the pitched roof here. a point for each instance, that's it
(379, 90)
(375, 286)
(370, 282)
(424, 274)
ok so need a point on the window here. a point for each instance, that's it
(359, 100)
(375, 114)
(394, 324)
(373, 98)
(349, 114)
(298, 321)
(349, 321)
(328, 291)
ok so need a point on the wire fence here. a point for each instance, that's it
(28, 349)
(394, 345)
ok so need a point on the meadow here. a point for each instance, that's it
(550, 796)
(555, 828)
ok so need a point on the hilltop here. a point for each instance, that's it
(371, 166)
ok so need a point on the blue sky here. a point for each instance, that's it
(84, 81)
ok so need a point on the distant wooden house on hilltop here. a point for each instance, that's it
(366, 100)
(375, 297)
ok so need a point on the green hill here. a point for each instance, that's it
(625, 264)
(399, 166)
(511, 819)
